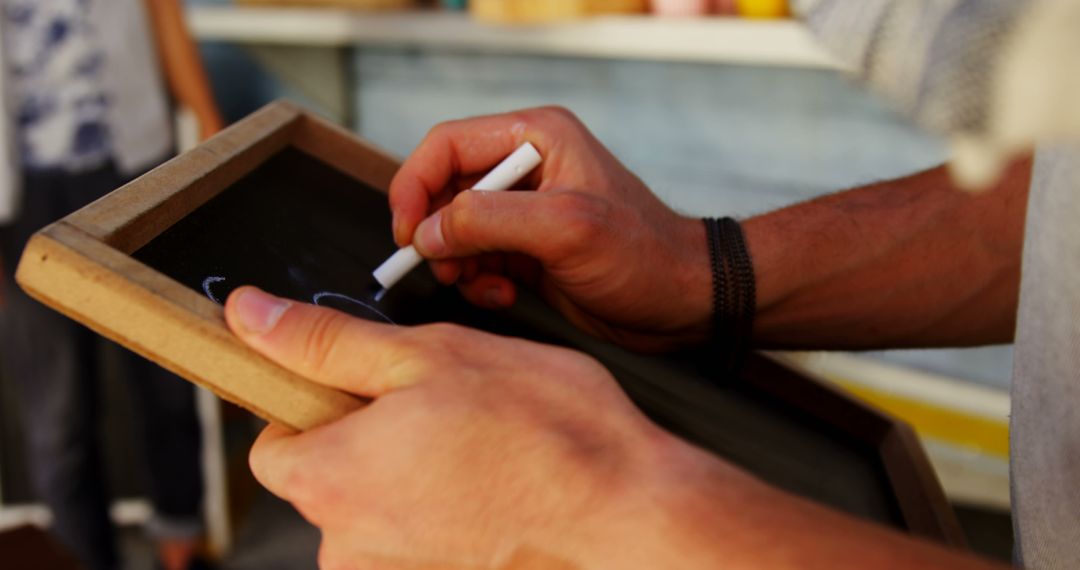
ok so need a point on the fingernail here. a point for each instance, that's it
(429, 236)
(259, 312)
(394, 228)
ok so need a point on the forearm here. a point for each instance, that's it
(182, 63)
(733, 521)
(695, 511)
(909, 262)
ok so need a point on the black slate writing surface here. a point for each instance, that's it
(301, 229)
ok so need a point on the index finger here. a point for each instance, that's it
(451, 150)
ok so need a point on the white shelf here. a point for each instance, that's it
(705, 40)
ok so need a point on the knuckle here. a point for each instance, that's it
(467, 201)
(442, 336)
(328, 559)
(406, 350)
(587, 368)
(320, 344)
(418, 350)
(582, 216)
(462, 217)
(432, 349)
(412, 356)
(560, 114)
(441, 134)
(298, 484)
(260, 465)
(310, 493)
(550, 115)
(438, 131)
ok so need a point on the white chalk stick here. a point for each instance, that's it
(509, 172)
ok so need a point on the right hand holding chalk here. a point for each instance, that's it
(591, 238)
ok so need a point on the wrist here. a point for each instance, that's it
(763, 244)
(666, 515)
(694, 280)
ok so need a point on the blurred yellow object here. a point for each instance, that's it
(355, 4)
(763, 8)
(538, 11)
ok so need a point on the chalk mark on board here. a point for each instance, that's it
(206, 288)
(319, 296)
(315, 299)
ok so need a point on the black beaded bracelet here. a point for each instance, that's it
(734, 290)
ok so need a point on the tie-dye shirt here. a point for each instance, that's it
(59, 99)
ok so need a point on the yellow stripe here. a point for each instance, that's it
(938, 422)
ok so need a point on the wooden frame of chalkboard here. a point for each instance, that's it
(85, 266)
(82, 265)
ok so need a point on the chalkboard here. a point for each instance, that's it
(301, 229)
(290, 203)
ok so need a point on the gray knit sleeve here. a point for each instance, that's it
(934, 59)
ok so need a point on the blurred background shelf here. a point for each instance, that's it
(782, 43)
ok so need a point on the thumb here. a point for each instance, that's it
(320, 344)
(544, 225)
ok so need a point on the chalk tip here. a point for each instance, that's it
(380, 294)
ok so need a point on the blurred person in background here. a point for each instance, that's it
(85, 110)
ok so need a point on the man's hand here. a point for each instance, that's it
(477, 450)
(592, 238)
(486, 452)
(903, 263)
